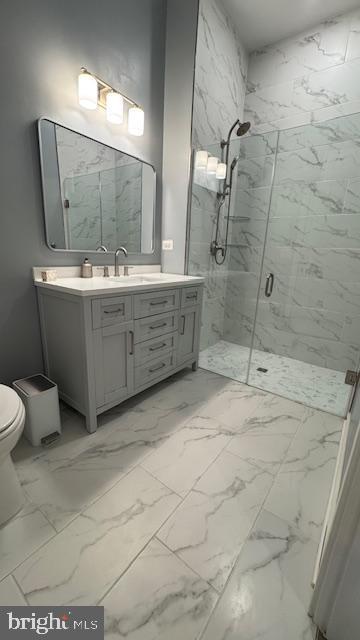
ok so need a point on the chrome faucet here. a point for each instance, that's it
(102, 248)
(119, 250)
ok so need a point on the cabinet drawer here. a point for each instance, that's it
(146, 328)
(108, 311)
(156, 348)
(149, 304)
(190, 296)
(154, 369)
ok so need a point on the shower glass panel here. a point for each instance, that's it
(231, 289)
(307, 325)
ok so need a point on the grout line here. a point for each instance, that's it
(161, 482)
(181, 560)
(36, 507)
(148, 541)
(123, 573)
(20, 589)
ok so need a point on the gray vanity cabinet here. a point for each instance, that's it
(189, 334)
(102, 349)
(114, 363)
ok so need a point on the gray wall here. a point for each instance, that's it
(182, 18)
(43, 45)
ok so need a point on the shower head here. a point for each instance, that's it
(243, 128)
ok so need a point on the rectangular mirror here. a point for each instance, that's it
(94, 195)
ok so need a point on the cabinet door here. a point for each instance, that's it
(189, 328)
(114, 362)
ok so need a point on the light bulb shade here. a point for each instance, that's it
(212, 164)
(87, 90)
(114, 107)
(136, 119)
(221, 171)
(201, 159)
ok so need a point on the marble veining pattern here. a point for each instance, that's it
(293, 81)
(159, 597)
(219, 94)
(208, 501)
(310, 245)
(309, 384)
(275, 564)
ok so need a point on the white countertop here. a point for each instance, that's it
(139, 282)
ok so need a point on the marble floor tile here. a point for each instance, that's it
(233, 404)
(308, 384)
(275, 415)
(63, 482)
(209, 527)
(301, 490)
(320, 424)
(184, 457)
(83, 562)
(10, 594)
(262, 450)
(21, 536)
(182, 394)
(158, 598)
(269, 591)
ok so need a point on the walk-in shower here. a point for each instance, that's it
(282, 309)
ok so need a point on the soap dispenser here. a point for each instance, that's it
(86, 269)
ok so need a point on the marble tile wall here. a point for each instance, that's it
(312, 76)
(305, 93)
(303, 100)
(220, 86)
(312, 247)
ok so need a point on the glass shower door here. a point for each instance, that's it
(231, 289)
(306, 334)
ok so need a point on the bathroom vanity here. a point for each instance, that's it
(107, 339)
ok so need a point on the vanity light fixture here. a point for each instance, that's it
(136, 121)
(94, 92)
(212, 164)
(114, 107)
(87, 90)
(201, 159)
(221, 171)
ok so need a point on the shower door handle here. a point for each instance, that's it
(269, 284)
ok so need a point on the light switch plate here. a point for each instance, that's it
(168, 245)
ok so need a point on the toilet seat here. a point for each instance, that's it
(11, 408)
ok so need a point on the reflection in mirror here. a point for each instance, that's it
(93, 194)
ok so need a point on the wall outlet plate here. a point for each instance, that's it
(168, 245)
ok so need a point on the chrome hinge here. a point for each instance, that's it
(66, 203)
(351, 377)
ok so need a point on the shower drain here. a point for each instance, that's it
(262, 369)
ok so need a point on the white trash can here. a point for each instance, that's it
(41, 400)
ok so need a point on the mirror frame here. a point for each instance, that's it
(141, 257)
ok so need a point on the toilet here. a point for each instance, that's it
(12, 419)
